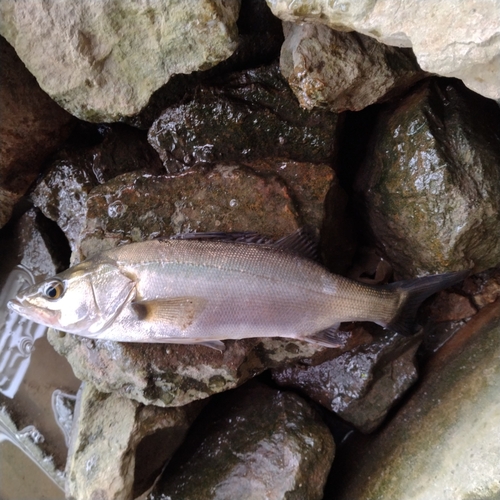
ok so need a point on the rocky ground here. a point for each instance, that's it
(370, 123)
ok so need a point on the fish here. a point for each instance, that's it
(205, 288)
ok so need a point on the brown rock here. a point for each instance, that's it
(450, 306)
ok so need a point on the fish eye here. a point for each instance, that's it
(53, 290)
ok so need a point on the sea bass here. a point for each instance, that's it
(203, 291)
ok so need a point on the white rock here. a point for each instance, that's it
(454, 38)
(103, 60)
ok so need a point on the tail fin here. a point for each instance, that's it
(415, 292)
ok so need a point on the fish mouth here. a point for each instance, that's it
(44, 317)
(15, 306)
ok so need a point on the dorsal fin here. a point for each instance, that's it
(302, 242)
(250, 237)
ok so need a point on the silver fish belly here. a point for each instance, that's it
(206, 291)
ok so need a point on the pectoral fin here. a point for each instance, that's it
(180, 311)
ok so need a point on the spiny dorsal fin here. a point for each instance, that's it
(302, 242)
(180, 311)
(250, 237)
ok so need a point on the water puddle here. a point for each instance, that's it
(17, 334)
(37, 398)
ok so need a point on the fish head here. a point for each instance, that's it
(83, 300)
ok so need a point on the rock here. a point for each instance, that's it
(137, 206)
(104, 455)
(444, 442)
(361, 385)
(260, 36)
(308, 184)
(103, 61)
(456, 39)
(484, 287)
(175, 375)
(273, 198)
(451, 306)
(343, 71)
(321, 203)
(111, 150)
(246, 116)
(431, 181)
(32, 127)
(278, 448)
(31, 246)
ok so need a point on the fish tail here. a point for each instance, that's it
(414, 292)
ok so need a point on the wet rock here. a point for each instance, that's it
(361, 385)
(431, 181)
(32, 126)
(104, 455)
(245, 116)
(455, 39)
(444, 442)
(321, 202)
(112, 150)
(108, 58)
(308, 184)
(278, 448)
(137, 206)
(484, 287)
(227, 198)
(343, 71)
(35, 250)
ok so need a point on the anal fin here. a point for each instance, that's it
(326, 338)
(180, 311)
